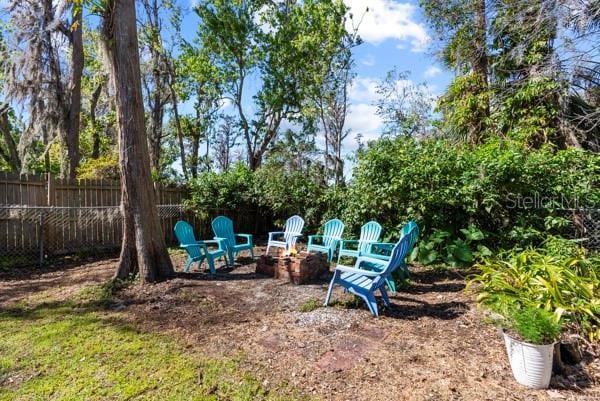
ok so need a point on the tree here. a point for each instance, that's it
(199, 79)
(285, 46)
(225, 140)
(36, 73)
(461, 27)
(527, 86)
(332, 102)
(405, 108)
(8, 145)
(143, 248)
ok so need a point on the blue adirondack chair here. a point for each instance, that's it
(198, 250)
(332, 234)
(364, 283)
(286, 239)
(382, 252)
(369, 233)
(223, 228)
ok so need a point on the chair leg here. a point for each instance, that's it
(372, 304)
(384, 295)
(231, 258)
(211, 264)
(267, 253)
(391, 284)
(330, 290)
(188, 265)
(252, 253)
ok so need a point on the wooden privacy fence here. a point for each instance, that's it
(42, 217)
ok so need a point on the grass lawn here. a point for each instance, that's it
(75, 350)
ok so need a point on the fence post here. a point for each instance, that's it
(50, 195)
(42, 232)
(44, 227)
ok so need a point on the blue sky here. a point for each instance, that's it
(394, 34)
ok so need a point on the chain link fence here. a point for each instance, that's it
(582, 226)
(33, 235)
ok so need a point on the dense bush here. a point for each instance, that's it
(502, 188)
(233, 189)
(509, 192)
(104, 167)
(273, 192)
(566, 285)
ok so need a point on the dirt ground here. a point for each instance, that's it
(432, 344)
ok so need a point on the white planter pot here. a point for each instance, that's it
(531, 364)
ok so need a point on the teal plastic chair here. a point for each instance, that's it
(364, 283)
(382, 251)
(223, 228)
(197, 251)
(369, 233)
(328, 242)
(286, 239)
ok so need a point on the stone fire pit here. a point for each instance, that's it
(297, 269)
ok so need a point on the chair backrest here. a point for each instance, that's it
(332, 232)
(401, 249)
(185, 235)
(407, 228)
(223, 228)
(369, 232)
(293, 225)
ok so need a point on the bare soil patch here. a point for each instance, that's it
(432, 344)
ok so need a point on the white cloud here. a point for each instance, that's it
(363, 90)
(362, 119)
(388, 19)
(368, 60)
(432, 71)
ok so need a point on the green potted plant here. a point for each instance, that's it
(530, 334)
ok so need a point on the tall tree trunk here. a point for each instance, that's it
(143, 248)
(480, 65)
(155, 130)
(73, 125)
(175, 103)
(95, 133)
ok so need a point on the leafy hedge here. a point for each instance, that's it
(271, 191)
(444, 186)
(493, 186)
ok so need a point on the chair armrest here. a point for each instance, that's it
(247, 236)
(274, 233)
(382, 246)
(367, 259)
(196, 245)
(222, 240)
(362, 272)
(218, 242)
(343, 242)
(311, 238)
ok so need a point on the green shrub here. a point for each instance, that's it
(232, 189)
(533, 325)
(106, 167)
(567, 286)
(274, 192)
(440, 247)
(506, 190)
